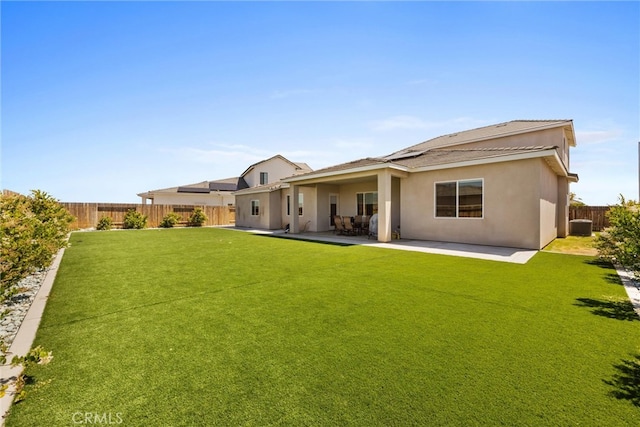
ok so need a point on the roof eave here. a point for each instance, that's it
(333, 174)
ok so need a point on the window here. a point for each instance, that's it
(367, 203)
(255, 207)
(264, 178)
(300, 203)
(459, 199)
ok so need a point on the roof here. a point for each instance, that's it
(204, 187)
(448, 151)
(499, 130)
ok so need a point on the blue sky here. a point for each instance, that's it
(104, 100)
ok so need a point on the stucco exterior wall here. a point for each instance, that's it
(276, 169)
(308, 221)
(211, 199)
(511, 206)
(548, 205)
(243, 211)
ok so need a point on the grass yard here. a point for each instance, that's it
(219, 327)
(576, 245)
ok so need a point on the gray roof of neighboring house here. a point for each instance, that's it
(205, 187)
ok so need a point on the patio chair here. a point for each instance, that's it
(339, 227)
(348, 226)
(357, 223)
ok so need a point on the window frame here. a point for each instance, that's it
(264, 178)
(255, 207)
(457, 198)
(300, 204)
(361, 205)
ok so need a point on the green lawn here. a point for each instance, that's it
(220, 327)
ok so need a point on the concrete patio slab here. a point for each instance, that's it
(492, 253)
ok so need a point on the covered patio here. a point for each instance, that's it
(365, 187)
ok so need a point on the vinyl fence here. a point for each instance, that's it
(88, 214)
(597, 215)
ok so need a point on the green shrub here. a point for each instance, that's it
(105, 223)
(170, 220)
(134, 219)
(197, 218)
(620, 242)
(33, 229)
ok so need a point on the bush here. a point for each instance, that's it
(33, 229)
(620, 242)
(170, 220)
(105, 223)
(197, 218)
(134, 219)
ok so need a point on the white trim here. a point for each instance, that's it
(368, 168)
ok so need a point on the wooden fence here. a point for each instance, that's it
(88, 214)
(597, 214)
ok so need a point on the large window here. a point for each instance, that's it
(264, 178)
(255, 207)
(459, 199)
(367, 203)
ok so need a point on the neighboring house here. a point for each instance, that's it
(259, 203)
(206, 193)
(221, 192)
(500, 185)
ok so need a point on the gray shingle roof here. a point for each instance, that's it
(441, 156)
(486, 132)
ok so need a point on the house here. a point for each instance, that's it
(220, 192)
(262, 200)
(206, 193)
(501, 185)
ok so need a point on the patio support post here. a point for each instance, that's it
(384, 206)
(294, 226)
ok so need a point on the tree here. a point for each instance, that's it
(575, 200)
(620, 242)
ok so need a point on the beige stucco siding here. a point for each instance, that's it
(243, 210)
(548, 205)
(276, 168)
(308, 221)
(511, 206)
